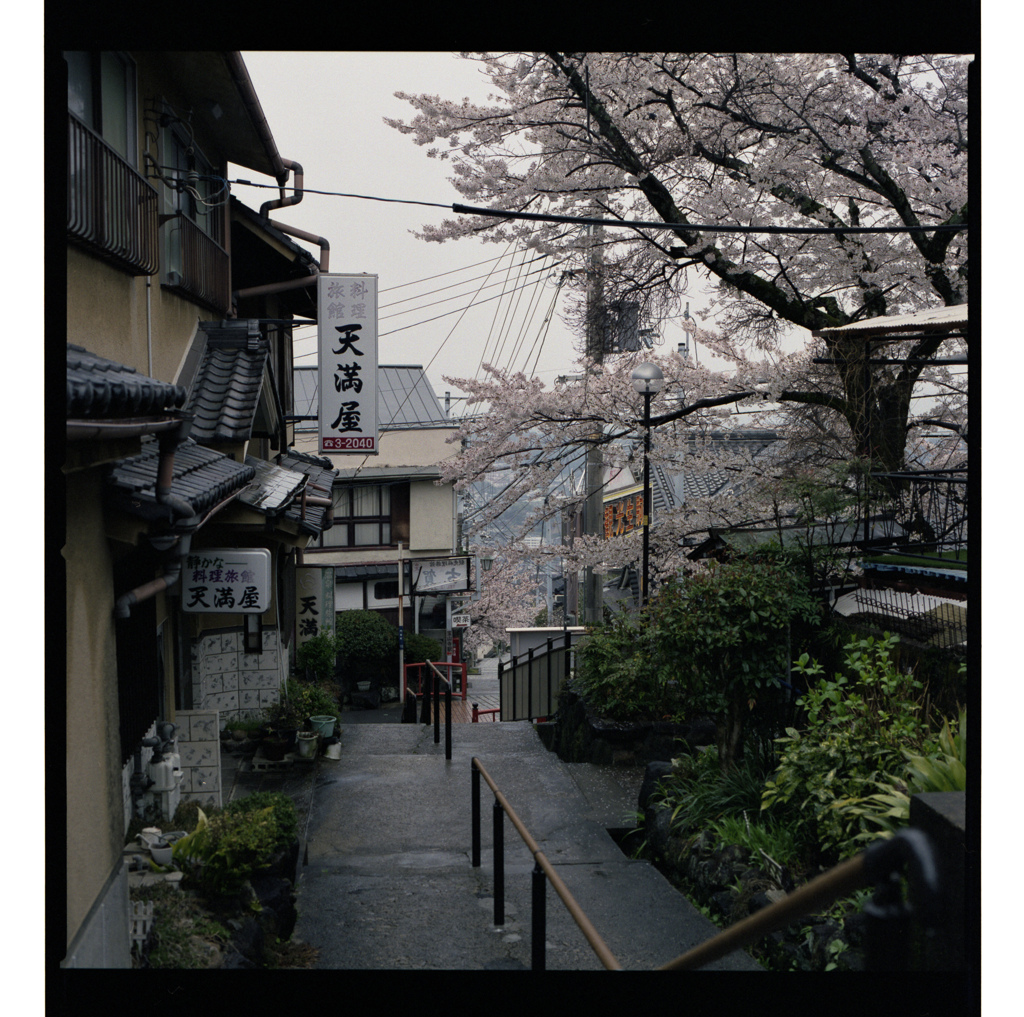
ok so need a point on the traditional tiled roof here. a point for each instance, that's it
(277, 490)
(227, 386)
(670, 490)
(103, 389)
(201, 476)
(273, 488)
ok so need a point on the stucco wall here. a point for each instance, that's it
(431, 512)
(95, 811)
(107, 314)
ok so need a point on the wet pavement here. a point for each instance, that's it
(385, 878)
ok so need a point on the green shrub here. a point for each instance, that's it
(941, 767)
(857, 726)
(366, 642)
(284, 816)
(699, 793)
(723, 638)
(316, 656)
(761, 834)
(616, 673)
(226, 848)
(420, 648)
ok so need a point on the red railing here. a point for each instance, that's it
(420, 678)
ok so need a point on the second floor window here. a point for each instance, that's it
(197, 194)
(362, 517)
(101, 94)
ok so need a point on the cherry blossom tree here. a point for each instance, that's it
(706, 143)
(758, 176)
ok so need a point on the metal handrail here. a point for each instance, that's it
(437, 709)
(542, 869)
(888, 915)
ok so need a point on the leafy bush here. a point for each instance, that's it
(699, 793)
(284, 816)
(857, 726)
(761, 833)
(941, 767)
(316, 656)
(723, 637)
(226, 848)
(615, 673)
(365, 642)
(420, 648)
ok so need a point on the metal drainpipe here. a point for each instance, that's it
(286, 199)
(291, 284)
(187, 516)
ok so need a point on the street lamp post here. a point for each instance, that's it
(648, 381)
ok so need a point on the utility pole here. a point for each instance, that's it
(593, 512)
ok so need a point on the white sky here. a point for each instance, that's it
(325, 111)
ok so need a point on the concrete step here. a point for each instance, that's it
(389, 883)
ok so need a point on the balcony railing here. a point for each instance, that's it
(112, 209)
(197, 265)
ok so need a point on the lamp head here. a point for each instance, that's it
(648, 379)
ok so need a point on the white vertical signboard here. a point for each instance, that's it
(347, 335)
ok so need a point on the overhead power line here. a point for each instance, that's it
(582, 220)
(712, 228)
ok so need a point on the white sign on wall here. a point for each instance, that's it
(440, 575)
(226, 580)
(460, 621)
(347, 340)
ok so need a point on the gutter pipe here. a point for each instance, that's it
(187, 517)
(84, 430)
(291, 284)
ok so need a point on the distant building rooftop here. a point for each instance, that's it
(406, 398)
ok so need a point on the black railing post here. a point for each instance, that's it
(425, 697)
(475, 806)
(551, 643)
(529, 684)
(499, 864)
(501, 685)
(539, 930)
(437, 708)
(448, 721)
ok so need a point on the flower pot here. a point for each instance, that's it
(162, 854)
(275, 748)
(323, 725)
(307, 741)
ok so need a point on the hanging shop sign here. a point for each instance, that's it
(314, 601)
(440, 575)
(226, 580)
(347, 341)
(460, 621)
(623, 512)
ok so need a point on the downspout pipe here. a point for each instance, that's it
(291, 284)
(286, 199)
(177, 506)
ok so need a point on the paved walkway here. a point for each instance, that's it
(388, 882)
